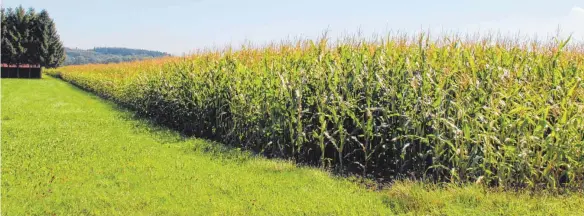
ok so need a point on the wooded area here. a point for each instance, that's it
(105, 55)
(30, 38)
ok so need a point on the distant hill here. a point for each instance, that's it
(103, 55)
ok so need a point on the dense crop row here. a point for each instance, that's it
(497, 112)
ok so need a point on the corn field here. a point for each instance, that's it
(498, 112)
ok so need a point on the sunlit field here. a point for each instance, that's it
(497, 112)
(65, 151)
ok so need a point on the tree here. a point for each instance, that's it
(114, 59)
(30, 38)
(32, 42)
(80, 60)
(52, 50)
(8, 50)
(17, 24)
(42, 33)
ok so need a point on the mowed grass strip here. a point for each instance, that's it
(67, 152)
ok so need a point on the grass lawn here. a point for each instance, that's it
(67, 152)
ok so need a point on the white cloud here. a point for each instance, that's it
(577, 10)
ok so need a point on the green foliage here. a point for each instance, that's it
(415, 198)
(7, 47)
(55, 51)
(489, 111)
(30, 38)
(17, 33)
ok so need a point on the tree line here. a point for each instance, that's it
(105, 55)
(29, 37)
(129, 52)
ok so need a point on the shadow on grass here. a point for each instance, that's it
(217, 150)
(165, 135)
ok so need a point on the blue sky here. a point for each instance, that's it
(179, 26)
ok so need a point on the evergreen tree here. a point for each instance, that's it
(30, 38)
(18, 34)
(32, 42)
(56, 50)
(8, 51)
(43, 28)
(15, 33)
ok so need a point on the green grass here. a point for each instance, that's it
(67, 152)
